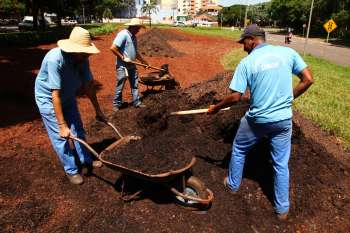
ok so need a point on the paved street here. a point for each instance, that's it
(317, 47)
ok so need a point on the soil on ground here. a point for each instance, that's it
(155, 43)
(35, 195)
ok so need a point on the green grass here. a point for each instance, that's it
(207, 31)
(101, 29)
(327, 102)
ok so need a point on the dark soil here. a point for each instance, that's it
(154, 43)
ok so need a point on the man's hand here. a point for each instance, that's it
(127, 60)
(64, 131)
(212, 109)
(101, 117)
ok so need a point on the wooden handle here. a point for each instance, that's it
(144, 65)
(204, 110)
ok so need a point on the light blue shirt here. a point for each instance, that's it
(59, 72)
(127, 45)
(267, 71)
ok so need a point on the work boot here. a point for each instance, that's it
(75, 179)
(282, 217)
(228, 187)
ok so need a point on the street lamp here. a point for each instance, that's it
(308, 27)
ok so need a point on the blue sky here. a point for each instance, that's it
(242, 2)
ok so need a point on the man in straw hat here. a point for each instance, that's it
(63, 71)
(267, 71)
(124, 47)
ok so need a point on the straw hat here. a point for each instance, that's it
(79, 42)
(135, 22)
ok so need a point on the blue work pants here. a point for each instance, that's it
(61, 145)
(279, 135)
(133, 80)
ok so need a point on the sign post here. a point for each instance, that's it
(329, 27)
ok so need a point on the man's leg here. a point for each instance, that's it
(245, 139)
(73, 119)
(121, 78)
(133, 79)
(60, 145)
(280, 139)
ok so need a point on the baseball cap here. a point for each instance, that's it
(250, 31)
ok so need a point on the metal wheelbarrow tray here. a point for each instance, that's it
(154, 79)
(189, 191)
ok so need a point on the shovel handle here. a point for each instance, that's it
(204, 110)
(144, 65)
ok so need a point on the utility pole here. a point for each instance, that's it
(308, 27)
(246, 12)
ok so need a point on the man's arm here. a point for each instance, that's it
(91, 93)
(116, 52)
(56, 101)
(226, 102)
(306, 80)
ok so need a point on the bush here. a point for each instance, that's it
(52, 35)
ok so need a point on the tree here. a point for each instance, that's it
(150, 8)
(107, 14)
(11, 8)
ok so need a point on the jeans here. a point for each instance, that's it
(133, 80)
(61, 145)
(279, 135)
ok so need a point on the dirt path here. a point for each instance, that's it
(35, 196)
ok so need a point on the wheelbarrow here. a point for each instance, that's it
(188, 190)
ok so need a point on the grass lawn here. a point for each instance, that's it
(327, 102)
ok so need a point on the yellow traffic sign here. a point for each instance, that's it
(330, 25)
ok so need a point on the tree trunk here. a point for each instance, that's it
(150, 20)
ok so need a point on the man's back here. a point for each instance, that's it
(268, 73)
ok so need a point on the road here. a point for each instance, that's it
(317, 47)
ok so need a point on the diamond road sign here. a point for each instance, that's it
(330, 25)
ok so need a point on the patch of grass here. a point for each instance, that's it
(208, 31)
(102, 29)
(327, 102)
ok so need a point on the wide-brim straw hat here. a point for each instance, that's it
(136, 22)
(79, 42)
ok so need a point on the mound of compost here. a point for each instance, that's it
(154, 43)
(170, 142)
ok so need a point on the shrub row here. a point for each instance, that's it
(51, 35)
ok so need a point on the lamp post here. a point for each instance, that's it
(308, 27)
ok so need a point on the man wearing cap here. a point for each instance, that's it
(267, 72)
(63, 71)
(124, 47)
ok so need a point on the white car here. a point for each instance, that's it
(179, 24)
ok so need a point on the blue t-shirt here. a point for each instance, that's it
(267, 71)
(59, 72)
(127, 45)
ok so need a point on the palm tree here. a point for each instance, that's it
(149, 8)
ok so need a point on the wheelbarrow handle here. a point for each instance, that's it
(114, 128)
(75, 138)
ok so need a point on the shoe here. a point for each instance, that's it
(227, 187)
(282, 217)
(75, 179)
(140, 106)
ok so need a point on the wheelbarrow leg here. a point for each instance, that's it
(131, 197)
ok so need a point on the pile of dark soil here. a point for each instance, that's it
(170, 142)
(154, 43)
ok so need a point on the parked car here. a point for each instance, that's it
(27, 23)
(180, 24)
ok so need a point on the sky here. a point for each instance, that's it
(227, 3)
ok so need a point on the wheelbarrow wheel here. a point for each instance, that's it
(196, 188)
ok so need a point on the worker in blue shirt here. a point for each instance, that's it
(124, 47)
(63, 71)
(267, 72)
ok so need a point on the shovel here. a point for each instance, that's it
(204, 110)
